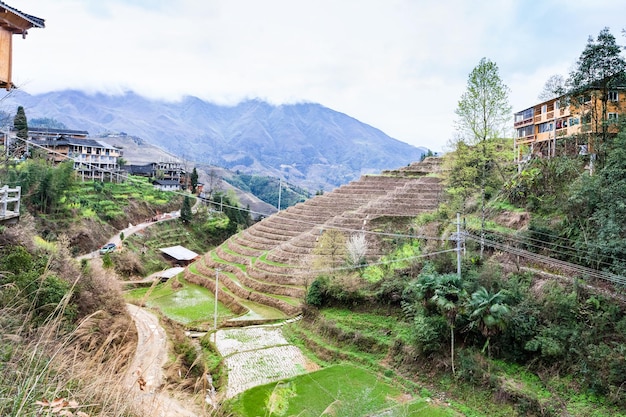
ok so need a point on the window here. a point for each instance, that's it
(544, 109)
(613, 96)
(573, 121)
(525, 131)
(586, 118)
(524, 115)
(546, 127)
(613, 117)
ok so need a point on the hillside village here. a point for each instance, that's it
(485, 281)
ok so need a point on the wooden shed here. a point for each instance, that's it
(12, 22)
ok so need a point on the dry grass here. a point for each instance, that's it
(48, 358)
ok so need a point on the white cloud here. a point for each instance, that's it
(398, 65)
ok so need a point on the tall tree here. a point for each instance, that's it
(186, 214)
(20, 124)
(330, 250)
(483, 112)
(600, 69)
(194, 180)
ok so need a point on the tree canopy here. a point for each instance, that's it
(483, 110)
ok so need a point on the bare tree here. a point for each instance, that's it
(553, 88)
(212, 185)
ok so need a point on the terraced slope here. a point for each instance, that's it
(269, 263)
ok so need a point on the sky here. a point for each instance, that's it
(398, 65)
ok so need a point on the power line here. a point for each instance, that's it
(250, 211)
(592, 273)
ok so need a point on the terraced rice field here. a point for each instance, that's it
(257, 356)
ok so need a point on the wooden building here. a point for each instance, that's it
(93, 159)
(12, 22)
(565, 125)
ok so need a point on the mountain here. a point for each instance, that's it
(306, 144)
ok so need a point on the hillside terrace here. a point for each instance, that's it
(270, 262)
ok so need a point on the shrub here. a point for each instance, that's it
(315, 296)
(429, 332)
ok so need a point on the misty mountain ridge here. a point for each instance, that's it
(306, 143)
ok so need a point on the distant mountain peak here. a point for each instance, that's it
(328, 148)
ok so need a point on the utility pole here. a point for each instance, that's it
(217, 283)
(458, 244)
(280, 187)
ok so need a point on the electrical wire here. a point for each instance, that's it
(313, 225)
(584, 271)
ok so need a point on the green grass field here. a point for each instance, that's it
(345, 389)
(191, 304)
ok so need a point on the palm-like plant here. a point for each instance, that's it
(489, 313)
(449, 296)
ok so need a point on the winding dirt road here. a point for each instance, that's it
(145, 375)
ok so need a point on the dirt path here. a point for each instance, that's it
(145, 375)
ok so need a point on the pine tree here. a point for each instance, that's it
(600, 69)
(185, 212)
(20, 124)
(194, 180)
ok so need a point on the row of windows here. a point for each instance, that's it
(560, 124)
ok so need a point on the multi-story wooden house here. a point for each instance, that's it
(93, 159)
(12, 22)
(567, 125)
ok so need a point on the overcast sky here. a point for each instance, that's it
(398, 65)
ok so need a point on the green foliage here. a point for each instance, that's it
(277, 402)
(316, 292)
(602, 68)
(20, 123)
(472, 168)
(483, 109)
(542, 183)
(266, 189)
(107, 262)
(47, 122)
(185, 212)
(27, 275)
(429, 333)
(489, 312)
(596, 213)
(194, 180)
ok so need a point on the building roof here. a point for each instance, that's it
(17, 21)
(171, 272)
(75, 142)
(165, 182)
(180, 253)
(57, 132)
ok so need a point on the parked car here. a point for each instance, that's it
(109, 247)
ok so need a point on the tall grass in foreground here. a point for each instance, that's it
(41, 363)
